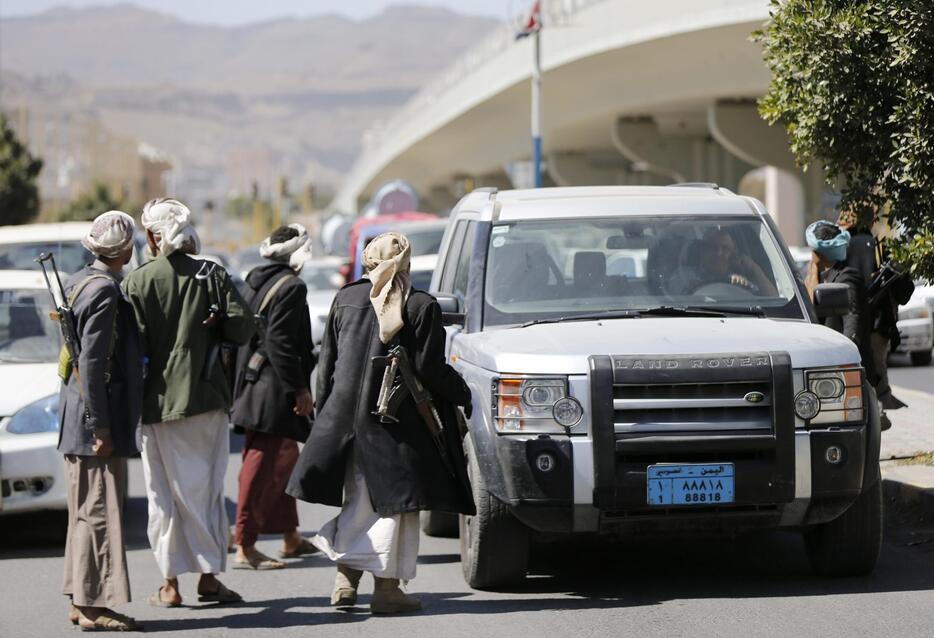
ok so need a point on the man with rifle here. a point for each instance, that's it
(383, 467)
(185, 308)
(102, 373)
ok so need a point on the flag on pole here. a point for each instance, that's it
(533, 22)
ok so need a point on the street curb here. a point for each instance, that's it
(910, 486)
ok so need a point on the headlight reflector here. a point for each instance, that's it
(533, 405)
(36, 418)
(807, 405)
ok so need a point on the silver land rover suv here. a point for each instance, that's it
(644, 360)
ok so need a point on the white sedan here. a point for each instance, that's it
(916, 325)
(31, 468)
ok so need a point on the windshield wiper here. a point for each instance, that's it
(701, 311)
(608, 314)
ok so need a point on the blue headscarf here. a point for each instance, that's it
(833, 249)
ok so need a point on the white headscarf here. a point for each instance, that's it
(111, 233)
(170, 221)
(387, 260)
(295, 251)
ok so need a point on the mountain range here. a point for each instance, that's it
(286, 97)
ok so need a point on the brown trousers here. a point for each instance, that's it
(95, 558)
(263, 506)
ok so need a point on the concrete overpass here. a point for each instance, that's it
(634, 92)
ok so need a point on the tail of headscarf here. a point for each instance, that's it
(170, 220)
(295, 251)
(111, 233)
(387, 260)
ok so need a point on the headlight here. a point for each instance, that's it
(839, 393)
(36, 418)
(915, 312)
(534, 406)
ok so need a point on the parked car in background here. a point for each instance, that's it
(246, 260)
(916, 325)
(20, 245)
(323, 278)
(801, 256)
(238, 281)
(420, 271)
(31, 475)
(371, 227)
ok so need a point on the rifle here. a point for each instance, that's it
(63, 313)
(216, 313)
(392, 393)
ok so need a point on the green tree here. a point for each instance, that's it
(89, 205)
(19, 194)
(853, 85)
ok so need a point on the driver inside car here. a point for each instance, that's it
(719, 262)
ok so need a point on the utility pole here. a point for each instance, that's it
(537, 110)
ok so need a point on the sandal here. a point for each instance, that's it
(259, 562)
(222, 595)
(109, 621)
(303, 549)
(156, 600)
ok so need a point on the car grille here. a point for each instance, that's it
(692, 408)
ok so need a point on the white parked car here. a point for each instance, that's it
(20, 245)
(916, 325)
(323, 279)
(421, 269)
(31, 468)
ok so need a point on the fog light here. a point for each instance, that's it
(834, 455)
(545, 462)
(567, 411)
(807, 405)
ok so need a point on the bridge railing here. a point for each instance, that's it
(557, 13)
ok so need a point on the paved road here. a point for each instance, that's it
(755, 586)
(902, 373)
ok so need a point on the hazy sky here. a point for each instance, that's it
(243, 11)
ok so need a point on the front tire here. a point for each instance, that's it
(494, 544)
(849, 545)
(921, 358)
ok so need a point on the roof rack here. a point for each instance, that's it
(712, 185)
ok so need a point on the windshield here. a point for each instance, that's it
(70, 256)
(425, 242)
(559, 268)
(27, 335)
(318, 277)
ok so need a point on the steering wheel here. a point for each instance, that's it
(722, 290)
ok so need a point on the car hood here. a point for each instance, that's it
(563, 348)
(23, 383)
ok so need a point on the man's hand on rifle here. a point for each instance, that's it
(103, 445)
(304, 404)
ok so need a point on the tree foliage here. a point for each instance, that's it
(853, 85)
(19, 194)
(89, 205)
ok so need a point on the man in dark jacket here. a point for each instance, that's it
(101, 401)
(381, 474)
(829, 244)
(273, 399)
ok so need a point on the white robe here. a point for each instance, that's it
(184, 463)
(358, 537)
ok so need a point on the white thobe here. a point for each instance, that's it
(358, 537)
(184, 463)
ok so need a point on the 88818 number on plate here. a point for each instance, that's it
(694, 484)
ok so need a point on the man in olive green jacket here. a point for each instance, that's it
(185, 400)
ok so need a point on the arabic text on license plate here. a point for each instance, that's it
(671, 484)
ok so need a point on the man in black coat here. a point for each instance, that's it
(100, 406)
(382, 474)
(273, 399)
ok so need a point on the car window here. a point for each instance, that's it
(424, 242)
(554, 268)
(452, 257)
(26, 333)
(70, 256)
(463, 262)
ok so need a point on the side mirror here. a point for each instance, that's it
(451, 312)
(831, 300)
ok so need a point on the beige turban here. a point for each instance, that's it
(295, 251)
(170, 220)
(111, 233)
(387, 260)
